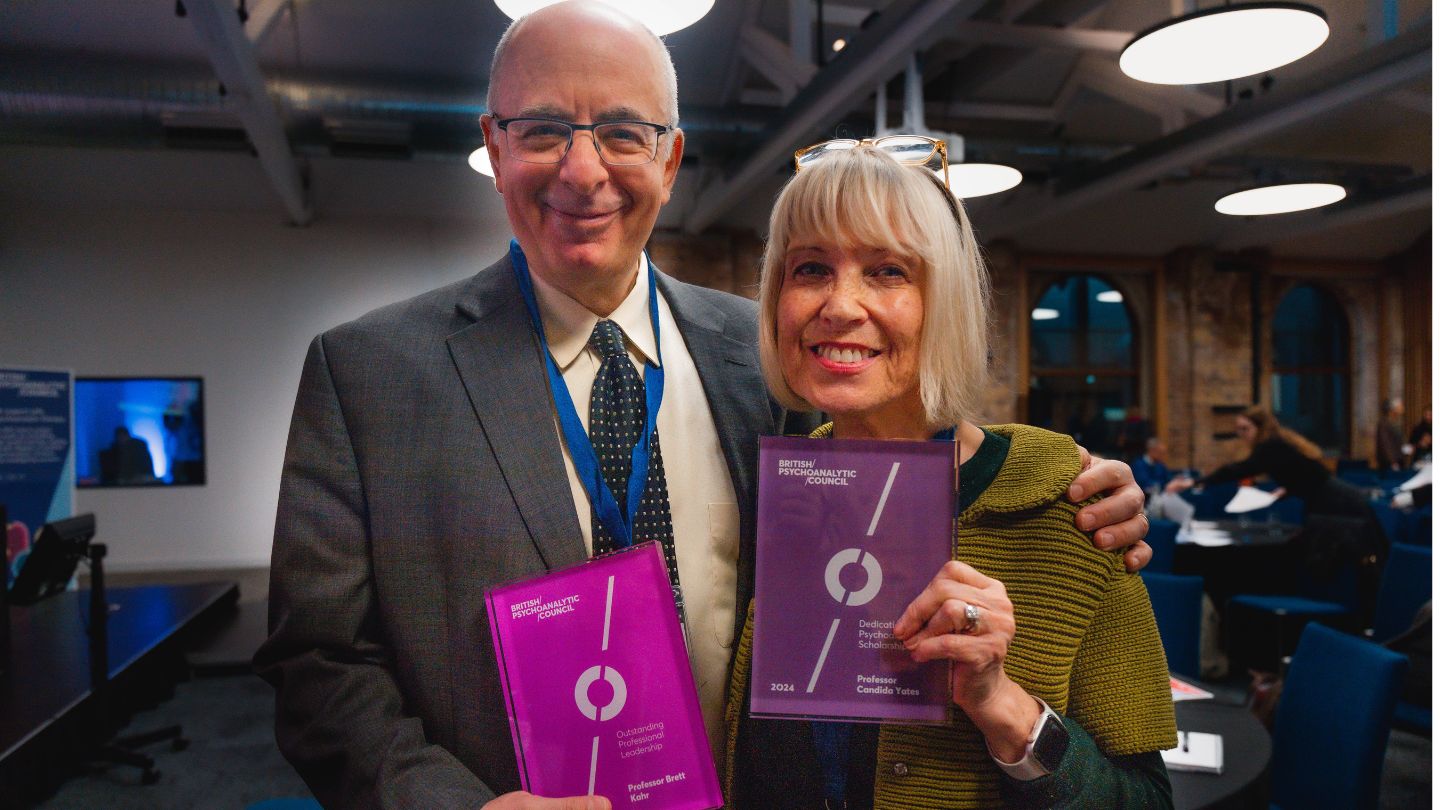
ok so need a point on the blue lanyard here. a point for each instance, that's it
(582, 452)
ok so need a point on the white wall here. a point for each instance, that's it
(156, 263)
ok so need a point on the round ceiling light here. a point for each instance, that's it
(480, 162)
(969, 180)
(1280, 199)
(660, 16)
(1225, 42)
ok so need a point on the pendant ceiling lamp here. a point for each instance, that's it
(1225, 42)
(660, 16)
(969, 180)
(1281, 199)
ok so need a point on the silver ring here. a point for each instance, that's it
(972, 619)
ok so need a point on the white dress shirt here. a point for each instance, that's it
(703, 507)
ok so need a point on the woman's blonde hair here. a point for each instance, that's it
(1268, 427)
(862, 197)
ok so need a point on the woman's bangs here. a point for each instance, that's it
(855, 205)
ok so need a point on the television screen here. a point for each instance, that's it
(139, 431)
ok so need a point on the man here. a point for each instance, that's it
(1150, 471)
(425, 463)
(1390, 450)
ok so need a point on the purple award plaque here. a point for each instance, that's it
(849, 533)
(598, 685)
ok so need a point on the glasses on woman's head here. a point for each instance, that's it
(546, 140)
(911, 150)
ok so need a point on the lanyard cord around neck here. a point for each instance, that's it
(587, 466)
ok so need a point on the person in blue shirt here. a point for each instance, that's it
(1150, 471)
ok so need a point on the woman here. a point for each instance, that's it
(873, 310)
(1341, 526)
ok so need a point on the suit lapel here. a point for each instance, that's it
(730, 375)
(498, 359)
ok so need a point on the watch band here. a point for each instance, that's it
(1044, 747)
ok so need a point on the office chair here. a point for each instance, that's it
(1161, 538)
(1176, 601)
(1330, 594)
(1405, 586)
(1333, 722)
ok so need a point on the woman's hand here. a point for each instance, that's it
(1118, 519)
(966, 617)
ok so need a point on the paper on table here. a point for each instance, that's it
(1248, 499)
(1204, 533)
(1197, 751)
(1180, 690)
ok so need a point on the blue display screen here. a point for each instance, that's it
(139, 431)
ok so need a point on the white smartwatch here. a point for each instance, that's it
(1044, 748)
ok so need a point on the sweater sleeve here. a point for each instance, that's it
(1087, 778)
(1120, 713)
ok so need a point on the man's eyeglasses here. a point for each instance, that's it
(912, 150)
(619, 143)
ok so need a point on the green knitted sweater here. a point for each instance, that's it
(1085, 639)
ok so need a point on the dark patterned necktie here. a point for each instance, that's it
(617, 416)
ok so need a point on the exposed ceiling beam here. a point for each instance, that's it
(233, 58)
(765, 52)
(1412, 195)
(875, 55)
(979, 65)
(1040, 36)
(1103, 75)
(263, 17)
(992, 111)
(735, 69)
(1412, 100)
(1404, 59)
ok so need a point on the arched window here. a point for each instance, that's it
(1310, 367)
(1084, 377)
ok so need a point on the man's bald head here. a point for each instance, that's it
(587, 18)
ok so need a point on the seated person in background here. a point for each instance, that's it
(1151, 474)
(873, 310)
(1294, 462)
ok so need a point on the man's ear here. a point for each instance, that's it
(487, 126)
(672, 160)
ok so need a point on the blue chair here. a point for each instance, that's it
(1404, 587)
(1161, 538)
(1364, 479)
(1176, 601)
(1415, 526)
(1331, 596)
(1333, 722)
(285, 804)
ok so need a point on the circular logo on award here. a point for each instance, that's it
(617, 693)
(873, 576)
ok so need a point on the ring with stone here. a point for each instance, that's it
(972, 619)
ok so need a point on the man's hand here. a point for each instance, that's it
(520, 800)
(1118, 520)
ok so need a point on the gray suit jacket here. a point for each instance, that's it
(423, 466)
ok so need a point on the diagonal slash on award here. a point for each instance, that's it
(611, 677)
(873, 577)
